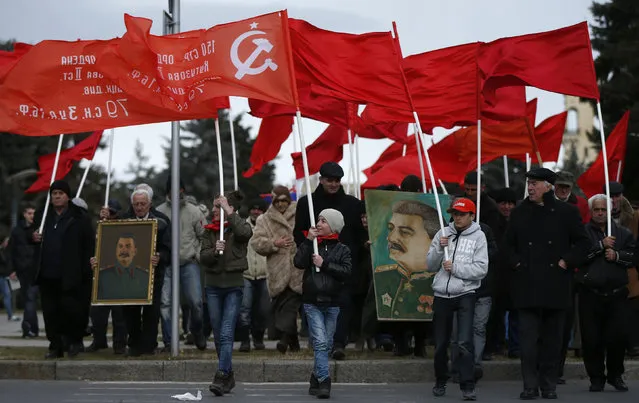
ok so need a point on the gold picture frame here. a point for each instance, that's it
(124, 273)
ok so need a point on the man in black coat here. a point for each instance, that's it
(488, 210)
(545, 241)
(22, 251)
(603, 290)
(330, 194)
(64, 271)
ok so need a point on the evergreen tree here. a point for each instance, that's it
(199, 163)
(615, 34)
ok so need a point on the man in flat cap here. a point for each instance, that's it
(64, 271)
(545, 242)
(564, 191)
(330, 194)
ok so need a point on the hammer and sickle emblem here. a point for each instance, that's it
(246, 67)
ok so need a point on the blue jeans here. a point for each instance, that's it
(322, 322)
(191, 289)
(5, 289)
(256, 304)
(29, 293)
(224, 308)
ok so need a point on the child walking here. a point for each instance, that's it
(324, 277)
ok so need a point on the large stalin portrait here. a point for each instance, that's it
(403, 289)
(124, 279)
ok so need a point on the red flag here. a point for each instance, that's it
(557, 61)
(393, 152)
(357, 68)
(592, 181)
(549, 135)
(70, 87)
(394, 172)
(273, 133)
(329, 146)
(84, 149)
(9, 59)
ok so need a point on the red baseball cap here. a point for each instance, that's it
(463, 205)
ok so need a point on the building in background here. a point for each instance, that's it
(580, 122)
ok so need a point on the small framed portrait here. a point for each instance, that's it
(124, 275)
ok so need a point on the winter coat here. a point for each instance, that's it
(626, 217)
(226, 270)
(280, 272)
(5, 266)
(599, 274)
(468, 251)
(324, 287)
(191, 230)
(536, 239)
(256, 262)
(22, 251)
(582, 206)
(78, 246)
(488, 283)
(489, 213)
(350, 208)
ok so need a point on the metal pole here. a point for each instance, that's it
(357, 171)
(55, 170)
(84, 176)
(175, 209)
(231, 125)
(604, 154)
(506, 173)
(478, 169)
(108, 184)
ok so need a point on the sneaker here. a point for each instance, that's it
(229, 382)
(217, 387)
(15, 318)
(324, 390)
(469, 395)
(313, 388)
(439, 389)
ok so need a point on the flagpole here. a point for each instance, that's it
(444, 191)
(478, 169)
(604, 152)
(351, 153)
(234, 151)
(108, 184)
(619, 171)
(419, 157)
(528, 164)
(55, 170)
(294, 138)
(404, 151)
(307, 179)
(357, 171)
(221, 175)
(84, 178)
(506, 173)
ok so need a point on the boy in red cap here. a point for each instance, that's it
(454, 286)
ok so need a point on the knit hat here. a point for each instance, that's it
(281, 191)
(80, 203)
(61, 185)
(334, 218)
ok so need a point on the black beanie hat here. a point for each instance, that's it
(61, 185)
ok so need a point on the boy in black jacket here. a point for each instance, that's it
(324, 277)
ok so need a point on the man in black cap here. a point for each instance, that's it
(330, 194)
(622, 211)
(100, 314)
(64, 271)
(545, 242)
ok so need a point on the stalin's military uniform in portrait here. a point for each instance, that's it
(119, 282)
(402, 295)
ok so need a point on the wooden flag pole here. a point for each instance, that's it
(619, 171)
(55, 170)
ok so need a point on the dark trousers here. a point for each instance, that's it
(603, 334)
(142, 322)
(343, 330)
(540, 335)
(632, 314)
(100, 320)
(285, 308)
(444, 310)
(255, 309)
(496, 327)
(65, 312)
(29, 293)
(569, 324)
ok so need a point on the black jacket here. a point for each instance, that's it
(323, 288)
(349, 206)
(489, 214)
(78, 246)
(22, 250)
(598, 273)
(536, 239)
(488, 283)
(162, 241)
(5, 267)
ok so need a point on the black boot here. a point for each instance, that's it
(245, 347)
(294, 344)
(229, 382)
(75, 349)
(95, 346)
(618, 384)
(324, 390)
(282, 345)
(217, 387)
(313, 389)
(258, 341)
(339, 353)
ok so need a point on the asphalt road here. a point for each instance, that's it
(134, 392)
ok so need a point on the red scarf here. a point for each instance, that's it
(215, 225)
(320, 239)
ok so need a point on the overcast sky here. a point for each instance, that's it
(423, 25)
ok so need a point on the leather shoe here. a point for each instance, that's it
(596, 386)
(119, 350)
(529, 394)
(93, 347)
(75, 349)
(549, 394)
(53, 354)
(618, 384)
(561, 381)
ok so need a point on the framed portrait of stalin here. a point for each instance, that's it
(124, 275)
(401, 226)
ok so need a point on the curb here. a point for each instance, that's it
(272, 370)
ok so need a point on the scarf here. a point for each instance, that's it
(320, 239)
(215, 225)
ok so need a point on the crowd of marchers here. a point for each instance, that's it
(533, 279)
